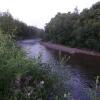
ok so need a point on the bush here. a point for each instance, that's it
(21, 78)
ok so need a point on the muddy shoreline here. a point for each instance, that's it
(89, 58)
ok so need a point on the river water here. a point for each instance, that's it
(76, 77)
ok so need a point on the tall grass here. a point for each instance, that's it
(21, 78)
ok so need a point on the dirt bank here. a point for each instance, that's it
(69, 50)
(90, 57)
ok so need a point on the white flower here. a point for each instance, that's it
(65, 95)
(42, 82)
(28, 94)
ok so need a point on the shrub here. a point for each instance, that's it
(21, 78)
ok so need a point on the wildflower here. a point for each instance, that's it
(42, 82)
(65, 95)
(28, 94)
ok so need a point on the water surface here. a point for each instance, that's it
(76, 77)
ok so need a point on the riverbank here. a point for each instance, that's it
(22, 78)
(70, 50)
(90, 57)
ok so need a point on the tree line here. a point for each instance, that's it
(16, 28)
(76, 29)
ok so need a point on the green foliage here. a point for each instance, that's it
(76, 29)
(16, 28)
(21, 78)
(6, 23)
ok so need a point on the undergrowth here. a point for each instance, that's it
(22, 78)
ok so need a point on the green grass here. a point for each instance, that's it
(21, 78)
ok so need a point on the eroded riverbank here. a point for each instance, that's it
(90, 57)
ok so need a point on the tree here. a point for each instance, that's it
(16, 28)
(76, 29)
(7, 24)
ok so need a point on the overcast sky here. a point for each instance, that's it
(39, 12)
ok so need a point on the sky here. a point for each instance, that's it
(39, 12)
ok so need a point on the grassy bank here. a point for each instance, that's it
(21, 78)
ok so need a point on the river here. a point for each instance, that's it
(78, 78)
